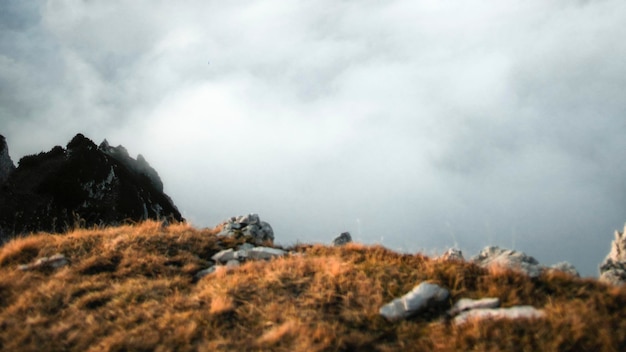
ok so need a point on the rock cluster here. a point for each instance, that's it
(82, 184)
(247, 226)
(491, 257)
(427, 295)
(232, 258)
(508, 259)
(613, 269)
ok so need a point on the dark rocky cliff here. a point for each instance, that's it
(83, 184)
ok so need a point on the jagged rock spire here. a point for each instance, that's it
(6, 164)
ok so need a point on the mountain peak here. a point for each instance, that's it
(6, 164)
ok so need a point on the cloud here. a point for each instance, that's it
(418, 125)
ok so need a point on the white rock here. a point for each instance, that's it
(518, 312)
(618, 247)
(264, 253)
(224, 256)
(613, 269)
(508, 258)
(465, 304)
(55, 261)
(233, 263)
(419, 298)
(452, 254)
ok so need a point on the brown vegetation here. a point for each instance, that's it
(132, 288)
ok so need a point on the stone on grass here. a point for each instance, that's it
(465, 304)
(247, 252)
(508, 258)
(263, 253)
(224, 255)
(452, 254)
(342, 239)
(249, 226)
(518, 312)
(418, 299)
(54, 262)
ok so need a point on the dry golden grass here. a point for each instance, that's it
(132, 288)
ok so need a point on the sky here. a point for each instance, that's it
(418, 125)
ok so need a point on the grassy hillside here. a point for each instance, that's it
(132, 288)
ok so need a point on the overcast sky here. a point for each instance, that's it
(419, 125)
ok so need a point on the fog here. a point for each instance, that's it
(419, 126)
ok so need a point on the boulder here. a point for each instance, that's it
(613, 269)
(6, 164)
(518, 312)
(342, 239)
(81, 184)
(421, 297)
(264, 253)
(247, 226)
(452, 254)
(247, 252)
(465, 304)
(508, 258)
(225, 255)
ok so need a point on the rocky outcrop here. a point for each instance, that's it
(509, 259)
(6, 164)
(342, 239)
(419, 298)
(249, 226)
(452, 254)
(613, 269)
(82, 184)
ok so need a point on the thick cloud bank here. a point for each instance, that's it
(420, 125)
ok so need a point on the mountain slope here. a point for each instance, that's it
(133, 288)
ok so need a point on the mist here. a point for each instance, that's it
(418, 126)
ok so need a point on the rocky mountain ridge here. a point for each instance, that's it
(6, 164)
(82, 184)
